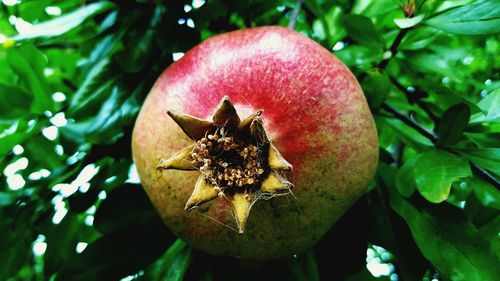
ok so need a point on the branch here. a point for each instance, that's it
(410, 122)
(394, 47)
(413, 97)
(295, 14)
(486, 175)
(433, 138)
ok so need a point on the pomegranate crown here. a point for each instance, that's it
(236, 159)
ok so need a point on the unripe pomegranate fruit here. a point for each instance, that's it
(254, 143)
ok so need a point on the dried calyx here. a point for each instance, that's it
(236, 160)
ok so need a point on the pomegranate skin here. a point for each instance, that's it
(314, 112)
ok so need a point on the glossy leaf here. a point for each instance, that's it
(173, 264)
(29, 63)
(419, 38)
(90, 91)
(18, 103)
(64, 23)
(408, 135)
(452, 125)
(408, 22)
(405, 179)
(114, 113)
(141, 41)
(376, 87)
(487, 194)
(478, 17)
(435, 171)
(361, 29)
(488, 158)
(484, 140)
(490, 107)
(132, 250)
(15, 134)
(43, 151)
(15, 247)
(328, 26)
(58, 239)
(449, 241)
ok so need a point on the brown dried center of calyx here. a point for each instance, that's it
(227, 162)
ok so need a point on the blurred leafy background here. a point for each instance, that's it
(73, 76)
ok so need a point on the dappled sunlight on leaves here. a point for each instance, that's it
(75, 73)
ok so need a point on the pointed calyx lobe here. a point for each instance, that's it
(236, 160)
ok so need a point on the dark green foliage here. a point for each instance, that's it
(72, 83)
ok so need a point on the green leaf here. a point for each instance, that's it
(140, 44)
(419, 38)
(405, 180)
(7, 198)
(446, 97)
(430, 62)
(488, 158)
(408, 22)
(359, 56)
(65, 23)
(362, 30)
(15, 246)
(374, 8)
(484, 139)
(487, 194)
(296, 268)
(491, 103)
(490, 107)
(451, 243)
(452, 124)
(117, 254)
(92, 92)
(116, 111)
(376, 87)
(173, 265)
(408, 135)
(479, 17)
(491, 229)
(61, 236)
(435, 170)
(326, 22)
(15, 134)
(29, 63)
(312, 266)
(18, 103)
(43, 152)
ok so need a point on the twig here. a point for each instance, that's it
(295, 14)
(433, 138)
(410, 122)
(394, 47)
(413, 97)
(486, 175)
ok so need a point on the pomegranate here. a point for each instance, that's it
(254, 143)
